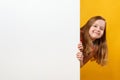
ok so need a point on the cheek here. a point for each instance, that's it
(102, 34)
(90, 31)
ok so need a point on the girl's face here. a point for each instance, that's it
(96, 31)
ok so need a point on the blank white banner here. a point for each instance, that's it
(38, 39)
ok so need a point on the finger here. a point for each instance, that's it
(79, 53)
(80, 47)
(80, 58)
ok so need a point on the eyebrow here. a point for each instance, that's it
(98, 25)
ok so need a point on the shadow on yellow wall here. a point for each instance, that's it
(110, 10)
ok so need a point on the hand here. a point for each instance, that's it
(80, 56)
(80, 46)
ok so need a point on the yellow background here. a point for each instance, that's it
(110, 10)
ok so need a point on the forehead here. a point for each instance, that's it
(99, 22)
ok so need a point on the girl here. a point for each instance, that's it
(93, 44)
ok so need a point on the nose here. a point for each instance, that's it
(98, 29)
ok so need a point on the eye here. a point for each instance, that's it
(95, 25)
(101, 28)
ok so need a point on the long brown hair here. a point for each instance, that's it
(100, 45)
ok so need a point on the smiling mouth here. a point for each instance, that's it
(97, 33)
